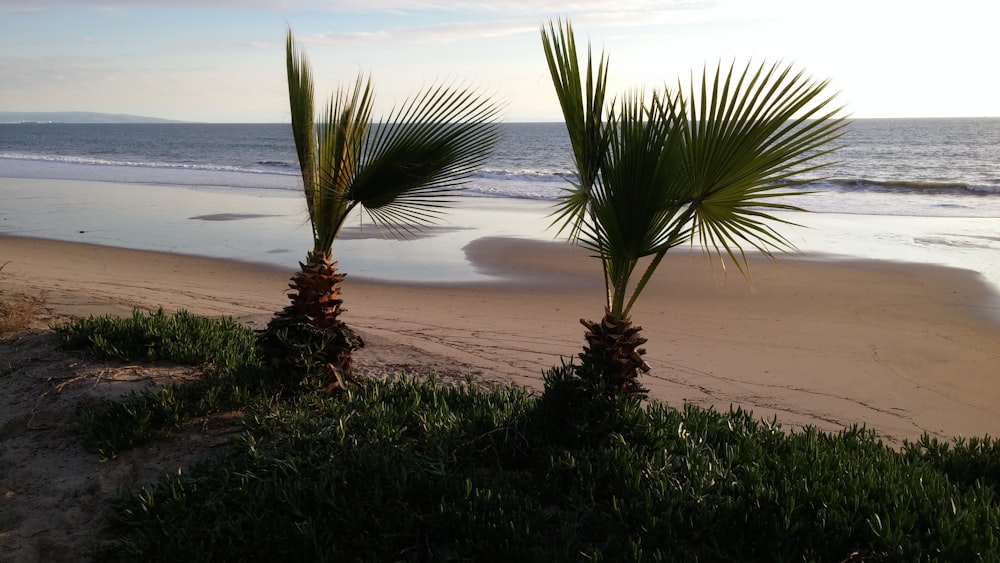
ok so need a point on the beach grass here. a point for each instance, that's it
(410, 470)
(17, 313)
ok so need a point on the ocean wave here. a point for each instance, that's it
(278, 164)
(958, 241)
(549, 180)
(500, 180)
(267, 167)
(270, 167)
(480, 190)
(525, 175)
(913, 186)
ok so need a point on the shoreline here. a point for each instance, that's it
(268, 226)
(901, 348)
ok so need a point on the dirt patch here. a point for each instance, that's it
(54, 495)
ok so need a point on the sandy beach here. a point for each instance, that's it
(903, 349)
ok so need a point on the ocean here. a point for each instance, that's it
(923, 190)
(930, 167)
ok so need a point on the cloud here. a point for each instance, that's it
(21, 71)
(440, 33)
(242, 45)
(459, 20)
(601, 14)
(516, 7)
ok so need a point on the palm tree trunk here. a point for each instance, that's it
(315, 294)
(611, 361)
(306, 339)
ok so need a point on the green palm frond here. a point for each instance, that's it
(428, 147)
(634, 203)
(401, 172)
(342, 135)
(711, 166)
(300, 100)
(582, 100)
(327, 154)
(749, 136)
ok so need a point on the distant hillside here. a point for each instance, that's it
(76, 117)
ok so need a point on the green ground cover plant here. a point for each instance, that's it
(231, 379)
(181, 337)
(417, 471)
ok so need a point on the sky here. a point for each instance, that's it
(223, 60)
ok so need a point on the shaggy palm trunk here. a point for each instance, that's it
(611, 362)
(306, 339)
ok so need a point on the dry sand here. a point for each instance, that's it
(901, 348)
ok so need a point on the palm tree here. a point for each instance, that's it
(655, 173)
(399, 171)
